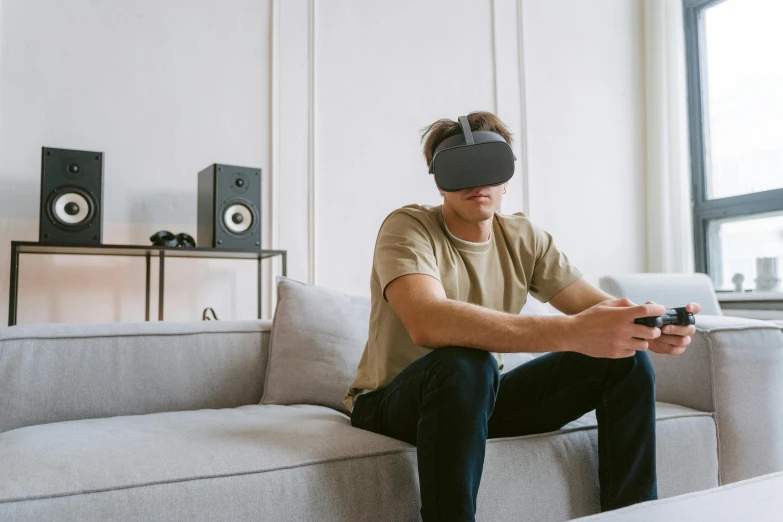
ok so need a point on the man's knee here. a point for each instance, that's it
(468, 362)
(469, 368)
(643, 366)
(638, 369)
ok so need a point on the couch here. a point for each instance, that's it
(178, 421)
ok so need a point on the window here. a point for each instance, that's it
(735, 99)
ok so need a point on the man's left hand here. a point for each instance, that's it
(674, 339)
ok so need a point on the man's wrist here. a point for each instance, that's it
(561, 334)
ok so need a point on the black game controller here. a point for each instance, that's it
(679, 316)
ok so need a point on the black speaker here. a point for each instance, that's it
(71, 209)
(229, 207)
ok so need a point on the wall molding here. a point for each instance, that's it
(494, 56)
(523, 131)
(274, 149)
(312, 149)
(509, 92)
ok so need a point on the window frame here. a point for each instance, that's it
(705, 210)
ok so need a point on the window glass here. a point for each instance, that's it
(742, 85)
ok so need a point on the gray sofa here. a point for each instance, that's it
(162, 421)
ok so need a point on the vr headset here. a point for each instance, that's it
(472, 159)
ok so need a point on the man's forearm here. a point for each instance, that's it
(578, 297)
(455, 323)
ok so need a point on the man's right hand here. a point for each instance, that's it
(607, 329)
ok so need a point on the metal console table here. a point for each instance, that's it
(26, 247)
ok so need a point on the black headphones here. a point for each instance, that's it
(165, 238)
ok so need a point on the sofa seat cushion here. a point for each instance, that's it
(66, 458)
(292, 462)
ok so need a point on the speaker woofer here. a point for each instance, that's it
(238, 218)
(70, 207)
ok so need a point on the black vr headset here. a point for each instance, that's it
(472, 159)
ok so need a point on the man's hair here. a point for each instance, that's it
(445, 128)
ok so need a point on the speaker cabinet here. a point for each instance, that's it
(229, 208)
(71, 211)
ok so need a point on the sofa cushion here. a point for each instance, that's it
(61, 372)
(306, 463)
(317, 339)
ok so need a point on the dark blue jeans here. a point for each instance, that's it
(451, 400)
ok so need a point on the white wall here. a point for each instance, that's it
(585, 101)
(407, 68)
(329, 99)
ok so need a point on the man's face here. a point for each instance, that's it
(477, 203)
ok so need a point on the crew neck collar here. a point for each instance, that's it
(462, 244)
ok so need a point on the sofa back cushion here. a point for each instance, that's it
(64, 372)
(317, 339)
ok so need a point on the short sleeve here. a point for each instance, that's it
(404, 246)
(552, 272)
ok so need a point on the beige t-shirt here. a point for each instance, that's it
(518, 258)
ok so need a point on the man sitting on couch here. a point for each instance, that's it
(448, 283)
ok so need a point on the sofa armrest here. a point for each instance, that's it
(61, 372)
(734, 369)
(668, 289)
